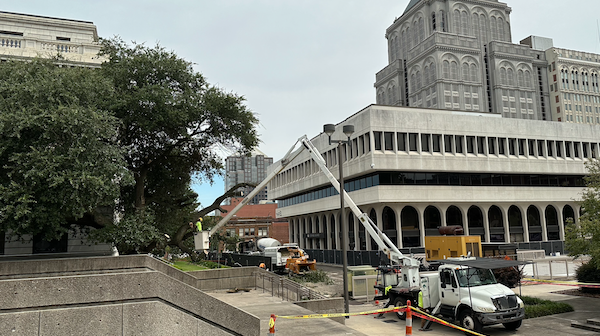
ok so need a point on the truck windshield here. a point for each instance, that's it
(471, 277)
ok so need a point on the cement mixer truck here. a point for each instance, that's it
(285, 258)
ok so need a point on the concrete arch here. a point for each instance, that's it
(552, 223)
(432, 219)
(496, 223)
(454, 216)
(409, 220)
(534, 223)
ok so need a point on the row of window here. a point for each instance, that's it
(247, 232)
(439, 179)
(579, 81)
(460, 144)
(404, 142)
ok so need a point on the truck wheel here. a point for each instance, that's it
(512, 325)
(400, 302)
(469, 321)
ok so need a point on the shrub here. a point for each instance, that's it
(509, 276)
(535, 307)
(314, 277)
(588, 273)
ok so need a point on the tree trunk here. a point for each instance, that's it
(140, 188)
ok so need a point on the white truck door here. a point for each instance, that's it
(449, 291)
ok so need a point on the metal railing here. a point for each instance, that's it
(284, 288)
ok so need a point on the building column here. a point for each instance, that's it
(525, 224)
(398, 213)
(465, 219)
(543, 223)
(421, 211)
(356, 233)
(329, 232)
(301, 232)
(443, 210)
(486, 223)
(561, 224)
(338, 244)
(505, 222)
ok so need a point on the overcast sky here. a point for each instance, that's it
(299, 63)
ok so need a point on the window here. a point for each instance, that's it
(448, 143)
(491, 145)
(389, 140)
(402, 141)
(459, 144)
(437, 139)
(470, 144)
(377, 138)
(550, 146)
(522, 147)
(512, 144)
(413, 142)
(425, 142)
(480, 145)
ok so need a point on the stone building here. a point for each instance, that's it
(458, 55)
(574, 85)
(247, 169)
(24, 36)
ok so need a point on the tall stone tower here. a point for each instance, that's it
(458, 55)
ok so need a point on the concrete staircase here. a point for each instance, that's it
(591, 325)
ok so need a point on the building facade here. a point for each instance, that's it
(24, 36)
(247, 169)
(458, 55)
(72, 43)
(413, 170)
(255, 221)
(574, 86)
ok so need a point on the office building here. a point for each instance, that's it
(247, 169)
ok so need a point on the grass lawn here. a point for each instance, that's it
(187, 266)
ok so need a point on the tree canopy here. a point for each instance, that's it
(127, 137)
(584, 239)
(58, 147)
(170, 120)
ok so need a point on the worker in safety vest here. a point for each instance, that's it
(199, 224)
(420, 303)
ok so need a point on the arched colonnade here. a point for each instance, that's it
(408, 224)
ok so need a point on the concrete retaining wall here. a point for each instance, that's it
(325, 306)
(226, 278)
(128, 295)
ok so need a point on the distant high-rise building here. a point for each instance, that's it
(458, 55)
(574, 85)
(248, 169)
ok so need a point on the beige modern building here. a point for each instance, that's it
(24, 36)
(413, 170)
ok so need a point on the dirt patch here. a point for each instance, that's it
(578, 292)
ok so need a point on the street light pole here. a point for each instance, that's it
(329, 129)
(344, 231)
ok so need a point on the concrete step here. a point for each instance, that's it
(594, 321)
(585, 326)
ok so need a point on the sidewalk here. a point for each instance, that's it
(263, 305)
(544, 326)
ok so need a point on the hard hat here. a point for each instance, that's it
(200, 219)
